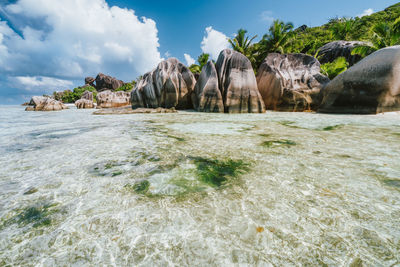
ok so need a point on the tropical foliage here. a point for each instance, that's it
(334, 68)
(127, 87)
(69, 96)
(202, 60)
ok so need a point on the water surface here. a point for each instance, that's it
(143, 189)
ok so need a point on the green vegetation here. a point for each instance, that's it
(334, 68)
(127, 87)
(217, 172)
(202, 60)
(141, 187)
(331, 128)
(378, 30)
(283, 142)
(69, 96)
(38, 215)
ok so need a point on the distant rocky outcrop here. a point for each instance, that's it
(207, 96)
(290, 82)
(87, 95)
(333, 50)
(105, 82)
(237, 83)
(90, 81)
(369, 87)
(169, 85)
(41, 103)
(110, 99)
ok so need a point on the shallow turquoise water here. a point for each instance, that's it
(319, 189)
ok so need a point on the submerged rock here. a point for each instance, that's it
(169, 85)
(369, 87)
(109, 99)
(41, 103)
(333, 50)
(237, 83)
(206, 96)
(290, 82)
(105, 82)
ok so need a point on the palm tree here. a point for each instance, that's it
(277, 40)
(343, 28)
(383, 35)
(241, 42)
(202, 60)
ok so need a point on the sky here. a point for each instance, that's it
(52, 45)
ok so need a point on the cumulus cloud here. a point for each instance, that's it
(366, 12)
(39, 83)
(267, 16)
(214, 42)
(189, 59)
(68, 40)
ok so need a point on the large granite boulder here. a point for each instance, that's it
(84, 103)
(90, 81)
(105, 82)
(369, 87)
(41, 103)
(290, 82)
(206, 96)
(87, 95)
(237, 83)
(110, 99)
(169, 85)
(333, 50)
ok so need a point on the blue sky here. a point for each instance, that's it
(48, 45)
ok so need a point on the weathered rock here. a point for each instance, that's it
(290, 82)
(90, 81)
(105, 82)
(41, 103)
(169, 85)
(129, 110)
(110, 99)
(369, 87)
(237, 83)
(87, 95)
(206, 96)
(84, 103)
(333, 50)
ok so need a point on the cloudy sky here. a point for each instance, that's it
(48, 45)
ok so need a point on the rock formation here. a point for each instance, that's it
(369, 87)
(84, 103)
(169, 85)
(41, 103)
(333, 50)
(90, 81)
(206, 96)
(87, 95)
(290, 82)
(105, 82)
(237, 83)
(110, 99)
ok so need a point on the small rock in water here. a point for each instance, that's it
(30, 190)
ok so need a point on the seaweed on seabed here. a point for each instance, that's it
(217, 172)
(39, 215)
(140, 187)
(333, 127)
(284, 142)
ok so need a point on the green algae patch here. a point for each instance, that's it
(180, 139)
(284, 142)
(141, 187)
(289, 124)
(37, 215)
(116, 173)
(333, 127)
(392, 183)
(216, 173)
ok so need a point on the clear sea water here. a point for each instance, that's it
(316, 190)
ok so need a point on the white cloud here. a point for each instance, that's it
(267, 16)
(214, 42)
(366, 12)
(167, 54)
(69, 40)
(39, 83)
(189, 59)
